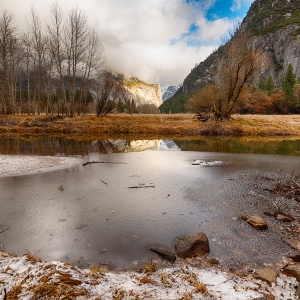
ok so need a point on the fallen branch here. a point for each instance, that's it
(141, 186)
(102, 162)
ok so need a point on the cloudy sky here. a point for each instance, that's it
(158, 41)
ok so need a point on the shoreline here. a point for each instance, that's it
(159, 124)
(13, 165)
(30, 277)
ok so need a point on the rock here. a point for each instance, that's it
(292, 270)
(164, 254)
(142, 93)
(192, 245)
(292, 242)
(257, 222)
(284, 217)
(266, 274)
(295, 256)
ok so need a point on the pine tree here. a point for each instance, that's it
(288, 87)
(262, 84)
(270, 85)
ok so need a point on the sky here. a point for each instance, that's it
(158, 41)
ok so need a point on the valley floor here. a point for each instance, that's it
(151, 125)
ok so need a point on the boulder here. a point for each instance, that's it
(192, 245)
(257, 222)
(266, 274)
(295, 256)
(164, 254)
(292, 270)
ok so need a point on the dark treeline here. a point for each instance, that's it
(55, 67)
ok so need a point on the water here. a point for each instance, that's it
(97, 218)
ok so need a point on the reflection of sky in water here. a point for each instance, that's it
(89, 215)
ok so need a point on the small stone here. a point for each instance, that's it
(266, 274)
(284, 217)
(292, 242)
(192, 245)
(257, 222)
(295, 256)
(164, 254)
(292, 270)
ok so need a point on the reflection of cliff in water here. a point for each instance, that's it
(70, 146)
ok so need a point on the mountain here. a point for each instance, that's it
(275, 29)
(170, 91)
(142, 93)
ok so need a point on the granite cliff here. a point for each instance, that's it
(142, 93)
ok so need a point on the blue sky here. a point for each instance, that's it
(158, 41)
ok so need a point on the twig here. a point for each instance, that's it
(277, 208)
(103, 181)
(102, 162)
(295, 181)
(4, 230)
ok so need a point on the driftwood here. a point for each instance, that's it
(141, 186)
(102, 162)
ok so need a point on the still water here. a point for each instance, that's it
(99, 218)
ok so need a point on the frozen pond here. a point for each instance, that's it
(89, 214)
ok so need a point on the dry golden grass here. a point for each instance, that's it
(152, 125)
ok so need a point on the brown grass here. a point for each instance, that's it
(152, 125)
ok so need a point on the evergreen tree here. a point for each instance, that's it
(270, 86)
(262, 84)
(288, 87)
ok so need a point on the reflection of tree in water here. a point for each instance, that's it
(59, 146)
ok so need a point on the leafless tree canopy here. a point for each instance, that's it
(50, 67)
(238, 62)
(109, 92)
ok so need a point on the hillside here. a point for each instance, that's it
(275, 29)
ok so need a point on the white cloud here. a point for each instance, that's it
(137, 34)
(237, 4)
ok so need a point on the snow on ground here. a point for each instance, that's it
(11, 165)
(29, 277)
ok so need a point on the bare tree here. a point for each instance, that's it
(76, 43)
(10, 57)
(108, 93)
(55, 28)
(95, 61)
(39, 41)
(238, 63)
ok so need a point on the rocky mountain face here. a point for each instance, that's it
(275, 28)
(142, 93)
(170, 91)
